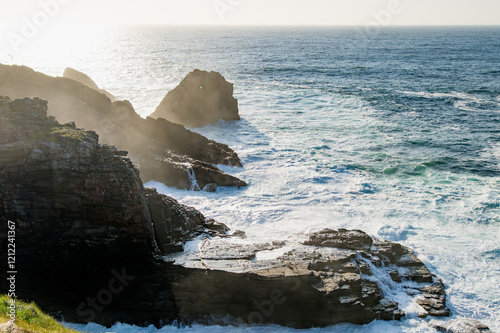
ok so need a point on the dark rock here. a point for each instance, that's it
(174, 224)
(84, 222)
(346, 239)
(217, 228)
(433, 299)
(161, 150)
(202, 98)
(460, 326)
(210, 188)
(312, 285)
(83, 216)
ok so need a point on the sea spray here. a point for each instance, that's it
(396, 292)
(192, 179)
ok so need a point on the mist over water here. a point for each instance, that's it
(396, 134)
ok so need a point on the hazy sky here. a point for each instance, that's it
(263, 12)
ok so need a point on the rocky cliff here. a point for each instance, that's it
(92, 244)
(202, 98)
(82, 216)
(163, 151)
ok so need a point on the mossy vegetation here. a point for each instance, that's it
(69, 132)
(29, 318)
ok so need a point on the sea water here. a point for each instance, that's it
(395, 133)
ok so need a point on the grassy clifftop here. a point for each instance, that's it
(29, 319)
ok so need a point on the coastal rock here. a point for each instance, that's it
(161, 150)
(83, 218)
(210, 188)
(347, 239)
(92, 244)
(83, 78)
(202, 98)
(460, 326)
(175, 224)
(297, 283)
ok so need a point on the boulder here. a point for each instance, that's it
(161, 150)
(202, 98)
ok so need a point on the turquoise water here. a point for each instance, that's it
(395, 133)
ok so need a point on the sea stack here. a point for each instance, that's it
(83, 78)
(202, 98)
(161, 150)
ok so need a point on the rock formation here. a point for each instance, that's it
(162, 151)
(82, 216)
(319, 279)
(202, 98)
(83, 78)
(93, 245)
(460, 326)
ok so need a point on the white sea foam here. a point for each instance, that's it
(315, 157)
(464, 101)
(409, 325)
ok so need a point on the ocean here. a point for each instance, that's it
(395, 132)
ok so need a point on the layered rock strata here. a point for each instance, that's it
(324, 278)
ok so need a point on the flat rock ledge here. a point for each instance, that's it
(321, 279)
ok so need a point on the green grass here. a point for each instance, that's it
(68, 132)
(30, 318)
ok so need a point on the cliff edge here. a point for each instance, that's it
(92, 244)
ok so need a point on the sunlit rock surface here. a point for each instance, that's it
(202, 98)
(460, 326)
(162, 151)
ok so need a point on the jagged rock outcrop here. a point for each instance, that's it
(162, 151)
(93, 245)
(175, 224)
(82, 216)
(83, 78)
(202, 98)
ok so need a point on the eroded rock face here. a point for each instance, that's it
(162, 151)
(174, 224)
(202, 98)
(83, 218)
